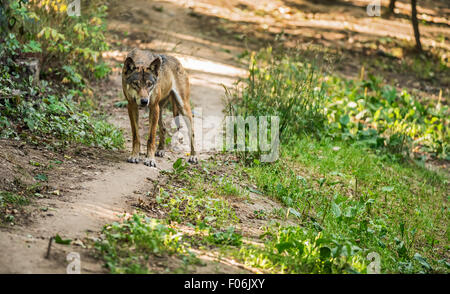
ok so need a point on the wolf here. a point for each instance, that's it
(152, 80)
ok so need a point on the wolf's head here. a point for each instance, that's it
(140, 74)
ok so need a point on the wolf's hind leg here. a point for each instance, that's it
(185, 110)
(175, 111)
(162, 131)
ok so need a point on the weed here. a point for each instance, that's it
(228, 237)
(292, 250)
(127, 246)
(196, 208)
(337, 174)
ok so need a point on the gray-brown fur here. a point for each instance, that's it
(152, 80)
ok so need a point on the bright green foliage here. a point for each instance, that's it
(126, 246)
(364, 112)
(338, 175)
(284, 87)
(69, 49)
(379, 116)
(61, 119)
(294, 250)
(227, 237)
(226, 187)
(196, 208)
(393, 209)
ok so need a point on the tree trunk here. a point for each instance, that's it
(415, 24)
(391, 6)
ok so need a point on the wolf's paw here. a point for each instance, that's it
(193, 159)
(150, 162)
(133, 159)
(160, 153)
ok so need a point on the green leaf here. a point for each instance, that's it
(317, 226)
(177, 163)
(422, 261)
(402, 229)
(41, 177)
(325, 253)
(121, 104)
(255, 191)
(335, 209)
(344, 120)
(33, 47)
(387, 189)
(59, 240)
(295, 212)
(284, 246)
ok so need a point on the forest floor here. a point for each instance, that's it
(88, 187)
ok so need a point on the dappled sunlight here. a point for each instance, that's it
(210, 67)
(296, 19)
(358, 112)
(214, 258)
(98, 210)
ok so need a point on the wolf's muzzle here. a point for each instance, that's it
(144, 102)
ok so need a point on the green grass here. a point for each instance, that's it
(10, 200)
(127, 246)
(397, 210)
(364, 111)
(195, 207)
(201, 199)
(345, 170)
(345, 177)
(227, 237)
(295, 250)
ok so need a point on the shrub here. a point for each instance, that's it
(68, 47)
(69, 50)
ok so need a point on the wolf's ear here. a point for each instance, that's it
(155, 66)
(129, 66)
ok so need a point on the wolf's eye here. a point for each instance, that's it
(149, 84)
(135, 85)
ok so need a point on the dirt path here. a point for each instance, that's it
(86, 208)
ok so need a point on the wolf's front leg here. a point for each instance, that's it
(133, 113)
(162, 136)
(151, 143)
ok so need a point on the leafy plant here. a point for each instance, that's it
(336, 173)
(291, 250)
(228, 237)
(127, 246)
(197, 208)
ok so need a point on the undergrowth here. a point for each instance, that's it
(56, 110)
(351, 168)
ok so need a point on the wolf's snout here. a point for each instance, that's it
(144, 101)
